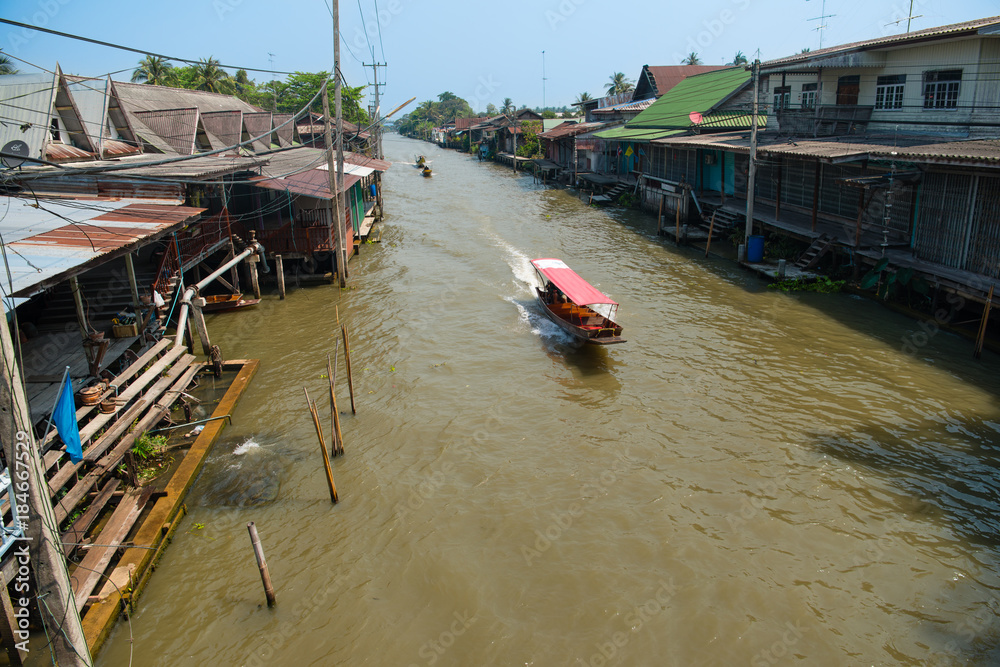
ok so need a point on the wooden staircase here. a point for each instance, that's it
(815, 252)
(609, 196)
(725, 221)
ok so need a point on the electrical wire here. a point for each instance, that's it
(378, 24)
(127, 48)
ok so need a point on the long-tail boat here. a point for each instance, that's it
(573, 303)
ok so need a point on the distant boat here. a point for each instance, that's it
(420, 161)
(569, 301)
(426, 171)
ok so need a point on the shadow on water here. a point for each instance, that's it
(944, 469)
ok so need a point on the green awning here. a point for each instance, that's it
(637, 135)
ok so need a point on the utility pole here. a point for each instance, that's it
(337, 236)
(43, 543)
(752, 171)
(375, 116)
(274, 85)
(543, 80)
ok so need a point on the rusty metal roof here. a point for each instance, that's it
(146, 97)
(225, 126)
(49, 241)
(312, 183)
(286, 134)
(57, 151)
(365, 161)
(989, 25)
(258, 124)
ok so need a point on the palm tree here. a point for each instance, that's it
(6, 65)
(209, 76)
(805, 50)
(154, 71)
(739, 59)
(508, 107)
(583, 97)
(619, 84)
(692, 59)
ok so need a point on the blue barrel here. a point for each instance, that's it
(755, 249)
(373, 191)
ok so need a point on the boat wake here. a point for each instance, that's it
(539, 324)
(520, 265)
(249, 444)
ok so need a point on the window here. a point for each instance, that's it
(809, 95)
(54, 129)
(941, 88)
(847, 89)
(782, 97)
(889, 91)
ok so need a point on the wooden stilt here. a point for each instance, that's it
(677, 224)
(659, 216)
(198, 317)
(254, 281)
(322, 447)
(711, 228)
(258, 552)
(347, 358)
(280, 269)
(981, 336)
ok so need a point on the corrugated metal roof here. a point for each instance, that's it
(177, 127)
(940, 32)
(365, 161)
(570, 130)
(91, 98)
(285, 134)
(665, 77)
(225, 126)
(145, 97)
(731, 119)
(57, 151)
(625, 107)
(636, 135)
(26, 102)
(312, 183)
(258, 124)
(43, 248)
(697, 94)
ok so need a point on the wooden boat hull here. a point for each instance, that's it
(606, 333)
(221, 302)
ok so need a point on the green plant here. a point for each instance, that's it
(628, 200)
(779, 246)
(822, 284)
(887, 281)
(147, 446)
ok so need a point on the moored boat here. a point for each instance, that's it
(575, 305)
(218, 302)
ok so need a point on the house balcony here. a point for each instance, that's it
(828, 120)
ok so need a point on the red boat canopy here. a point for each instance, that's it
(578, 290)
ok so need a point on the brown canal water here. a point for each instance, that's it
(754, 478)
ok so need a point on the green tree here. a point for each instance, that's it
(508, 107)
(491, 109)
(619, 84)
(446, 96)
(691, 59)
(528, 144)
(154, 71)
(739, 59)
(208, 75)
(805, 50)
(583, 97)
(548, 113)
(6, 65)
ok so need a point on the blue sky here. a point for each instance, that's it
(483, 52)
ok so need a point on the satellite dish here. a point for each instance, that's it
(14, 153)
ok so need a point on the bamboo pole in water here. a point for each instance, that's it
(258, 551)
(347, 358)
(322, 447)
(659, 216)
(677, 224)
(981, 336)
(711, 228)
(338, 437)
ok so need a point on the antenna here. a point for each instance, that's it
(543, 80)
(822, 26)
(274, 87)
(908, 18)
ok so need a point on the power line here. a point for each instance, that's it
(378, 24)
(128, 48)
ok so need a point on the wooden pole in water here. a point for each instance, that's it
(659, 216)
(677, 224)
(981, 336)
(258, 551)
(254, 281)
(347, 358)
(322, 447)
(198, 317)
(711, 228)
(338, 438)
(280, 269)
